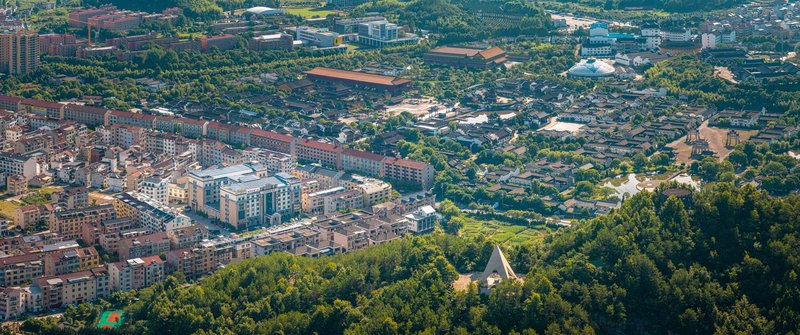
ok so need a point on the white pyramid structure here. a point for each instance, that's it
(499, 265)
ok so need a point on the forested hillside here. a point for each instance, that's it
(204, 9)
(725, 262)
(456, 20)
(667, 5)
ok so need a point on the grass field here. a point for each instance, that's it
(7, 209)
(502, 232)
(308, 13)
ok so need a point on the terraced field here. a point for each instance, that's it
(502, 232)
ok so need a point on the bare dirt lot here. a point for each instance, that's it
(420, 108)
(716, 142)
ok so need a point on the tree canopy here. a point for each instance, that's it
(724, 261)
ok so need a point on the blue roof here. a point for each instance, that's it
(599, 25)
(621, 36)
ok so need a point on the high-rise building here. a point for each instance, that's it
(19, 52)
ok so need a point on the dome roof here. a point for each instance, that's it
(592, 68)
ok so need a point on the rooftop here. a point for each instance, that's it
(357, 76)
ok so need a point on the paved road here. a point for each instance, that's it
(206, 222)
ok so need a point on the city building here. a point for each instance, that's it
(71, 198)
(13, 302)
(350, 25)
(381, 34)
(591, 68)
(21, 269)
(157, 188)
(13, 164)
(16, 185)
(187, 237)
(319, 37)
(149, 213)
(388, 83)
(318, 152)
(481, 59)
(260, 201)
(69, 224)
(272, 42)
(204, 185)
(136, 273)
(363, 162)
(68, 289)
(413, 173)
(144, 245)
(70, 260)
(19, 52)
(422, 220)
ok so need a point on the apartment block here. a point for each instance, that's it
(408, 171)
(156, 187)
(69, 224)
(136, 273)
(19, 52)
(260, 201)
(142, 246)
(14, 164)
(204, 185)
(68, 289)
(88, 115)
(18, 270)
(149, 213)
(187, 237)
(312, 151)
(71, 260)
(71, 198)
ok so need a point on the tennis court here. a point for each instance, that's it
(110, 319)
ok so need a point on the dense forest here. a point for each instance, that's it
(725, 261)
(456, 21)
(203, 9)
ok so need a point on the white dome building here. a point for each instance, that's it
(591, 68)
(265, 11)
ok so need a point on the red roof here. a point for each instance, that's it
(407, 163)
(191, 121)
(319, 145)
(220, 37)
(456, 51)
(271, 135)
(133, 115)
(491, 52)
(88, 109)
(20, 259)
(10, 98)
(42, 103)
(466, 52)
(361, 77)
(364, 155)
(220, 125)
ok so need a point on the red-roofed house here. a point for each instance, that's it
(363, 162)
(131, 119)
(10, 103)
(408, 171)
(90, 116)
(388, 83)
(472, 58)
(272, 141)
(49, 109)
(318, 152)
